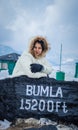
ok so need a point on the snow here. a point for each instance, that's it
(69, 73)
(4, 74)
(4, 124)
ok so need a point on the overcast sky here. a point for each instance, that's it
(57, 20)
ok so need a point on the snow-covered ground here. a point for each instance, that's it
(69, 73)
(4, 74)
(4, 124)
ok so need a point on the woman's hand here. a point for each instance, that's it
(36, 68)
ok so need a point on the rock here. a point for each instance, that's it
(33, 124)
(22, 97)
(45, 121)
(47, 127)
(18, 121)
(64, 127)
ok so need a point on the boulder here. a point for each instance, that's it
(24, 97)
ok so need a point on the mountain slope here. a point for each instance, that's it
(6, 50)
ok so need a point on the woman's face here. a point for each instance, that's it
(37, 49)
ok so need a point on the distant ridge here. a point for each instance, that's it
(6, 50)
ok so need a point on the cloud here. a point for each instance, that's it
(57, 20)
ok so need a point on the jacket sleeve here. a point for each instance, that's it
(47, 67)
(25, 62)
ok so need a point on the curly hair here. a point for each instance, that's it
(45, 45)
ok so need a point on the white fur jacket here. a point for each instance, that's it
(22, 66)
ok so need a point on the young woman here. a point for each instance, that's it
(33, 64)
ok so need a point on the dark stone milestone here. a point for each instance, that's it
(23, 97)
